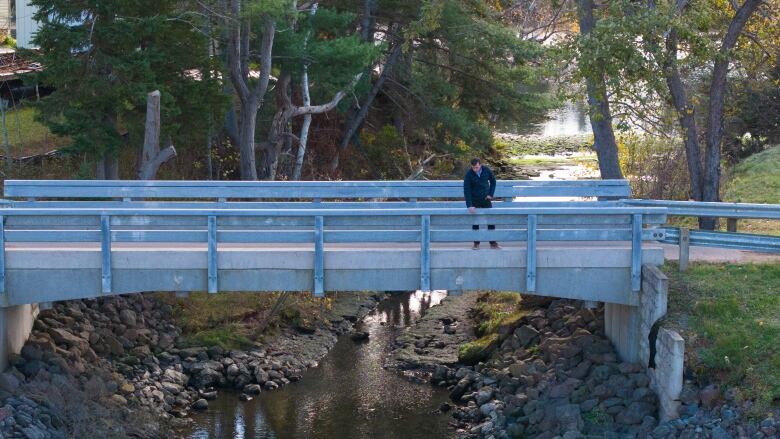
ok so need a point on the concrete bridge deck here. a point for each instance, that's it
(43, 272)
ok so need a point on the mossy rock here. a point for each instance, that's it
(477, 350)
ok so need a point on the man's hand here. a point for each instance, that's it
(489, 197)
(472, 209)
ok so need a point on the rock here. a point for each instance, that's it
(244, 397)
(568, 417)
(118, 399)
(709, 395)
(9, 382)
(719, 433)
(525, 334)
(359, 336)
(207, 377)
(127, 388)
(210, 395)
(484, 395)
(128, 317)
(175, 376)
(200, 404)
(445, 407)
(270, 385)
(457, 392)
(635, 413)
(252, 389)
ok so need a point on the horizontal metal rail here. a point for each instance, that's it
(316, 190)
(740, 241)
(710, 209)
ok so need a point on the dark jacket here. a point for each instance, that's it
(477, 187)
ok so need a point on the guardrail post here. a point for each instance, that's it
(212, 255)
(685, 243)
(425, 253)
(105, 252)
(530, 259)
(636, 252)
(319, 257)
(2, 256)
(731, 225)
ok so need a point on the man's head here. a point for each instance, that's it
(476, 165)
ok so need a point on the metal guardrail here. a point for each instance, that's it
(107, 226)
(706, 238)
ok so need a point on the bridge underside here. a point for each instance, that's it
(596, 271)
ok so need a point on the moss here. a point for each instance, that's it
(477, 350)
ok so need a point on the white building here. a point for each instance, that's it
(25, 25)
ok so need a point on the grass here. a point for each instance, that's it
(496, 314)
(756, 180)
(512, 145)
(730, 317)
(495, 310)
(26, 136)
(230, 320)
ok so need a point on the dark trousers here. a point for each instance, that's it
(483, 204)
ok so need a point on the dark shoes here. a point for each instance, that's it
(493, 245)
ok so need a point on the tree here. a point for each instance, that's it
(102, 58)
(592, 69)
(674, 21)
(451, 70)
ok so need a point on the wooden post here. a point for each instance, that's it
(685, 241)
(731, 225)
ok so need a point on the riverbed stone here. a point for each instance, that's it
(200, 404)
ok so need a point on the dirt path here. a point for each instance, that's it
(709, 254)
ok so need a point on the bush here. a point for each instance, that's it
(656, 167)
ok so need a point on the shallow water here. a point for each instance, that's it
(349, 395)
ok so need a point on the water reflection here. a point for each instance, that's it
(349, 395)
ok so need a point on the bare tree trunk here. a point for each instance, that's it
(151, 156)
(251, 98)
(246, 141)
(304, 137)
(272, 145)
(717, 100)
(600, 116)
(356, 121)
(686, 113)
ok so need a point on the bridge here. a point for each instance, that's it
(587, 240)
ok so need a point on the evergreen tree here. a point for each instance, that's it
(103, 57)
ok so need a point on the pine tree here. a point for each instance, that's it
(103, 57)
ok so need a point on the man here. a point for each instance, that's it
(479, 185)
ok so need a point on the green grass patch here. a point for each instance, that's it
(496, 310)
(509, 145)
(230, 336)
(231, 320)
(477, 350)
(26, 136)
(730, 317)
(756, 180)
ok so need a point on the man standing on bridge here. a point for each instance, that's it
(479, 185)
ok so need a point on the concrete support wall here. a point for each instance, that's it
(666, 379)
(16, 322)
(629, 326)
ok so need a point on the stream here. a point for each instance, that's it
(349, 395)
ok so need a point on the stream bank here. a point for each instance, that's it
(348, 395)
(113, 368)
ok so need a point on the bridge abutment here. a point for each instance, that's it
(630, 328)
(16, 323)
